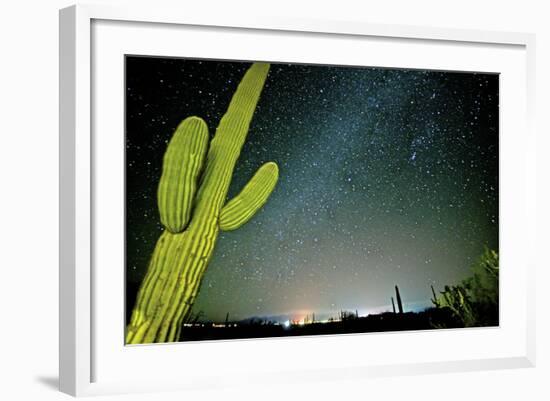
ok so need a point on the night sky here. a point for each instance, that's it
(387, 176)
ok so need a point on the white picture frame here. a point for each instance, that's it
(91, 363)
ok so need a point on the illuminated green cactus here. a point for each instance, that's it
(192, 204)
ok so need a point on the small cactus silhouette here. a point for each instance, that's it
(398, 297)
(192, 203)
(434, 300)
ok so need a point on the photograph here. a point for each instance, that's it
(270, 199)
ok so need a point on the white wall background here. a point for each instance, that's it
(29, 186)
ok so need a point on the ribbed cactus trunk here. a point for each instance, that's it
(192, 204)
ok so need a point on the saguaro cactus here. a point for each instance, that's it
(434, 300)
(191, 198)
(398, 297)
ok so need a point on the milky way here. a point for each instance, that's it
(387, 176)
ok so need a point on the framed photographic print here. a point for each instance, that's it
(254, 192)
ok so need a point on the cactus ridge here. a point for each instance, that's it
(191, 195)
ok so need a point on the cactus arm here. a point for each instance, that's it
(181, 168)
(254, 195)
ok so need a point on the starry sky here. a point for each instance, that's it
(387, 176)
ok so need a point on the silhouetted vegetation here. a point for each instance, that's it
(348, 315)
(387, 321)
(474, 301)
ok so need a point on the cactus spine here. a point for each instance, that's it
(191, 196)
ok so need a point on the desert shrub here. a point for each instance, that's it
(474, 301)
